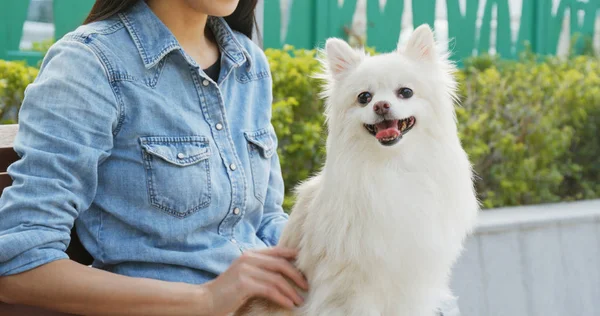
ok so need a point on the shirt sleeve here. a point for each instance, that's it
(274, 218)
(66, 125)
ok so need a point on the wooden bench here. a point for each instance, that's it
(75, 250)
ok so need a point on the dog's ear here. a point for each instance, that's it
(341, 58)
(421, 44)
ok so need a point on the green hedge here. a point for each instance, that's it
(14, 77)
(529, 126)
(531, 129)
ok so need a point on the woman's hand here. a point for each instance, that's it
(260, 273)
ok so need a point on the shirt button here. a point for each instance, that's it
(205, 82)
(236, 211)
(233, 241)
(232, 167)
(219, 126)
(180, 155)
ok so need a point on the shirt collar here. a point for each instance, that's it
(154, 40)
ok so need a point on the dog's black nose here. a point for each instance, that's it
(381, 107)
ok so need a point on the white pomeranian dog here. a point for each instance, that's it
(380, 227)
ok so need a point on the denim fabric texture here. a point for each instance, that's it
(167, 174)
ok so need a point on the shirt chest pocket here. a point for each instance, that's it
(261, 147)
(177, 173)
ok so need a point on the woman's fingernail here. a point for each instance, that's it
(291, 304)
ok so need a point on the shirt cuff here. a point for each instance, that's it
(31, 259)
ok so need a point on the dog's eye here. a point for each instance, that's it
(405, 93)
(364, 98)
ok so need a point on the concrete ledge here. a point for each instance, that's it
(532, 260)
(535, 216)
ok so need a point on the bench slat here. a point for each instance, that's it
(7, 135)
(7, 157)
(5, 181)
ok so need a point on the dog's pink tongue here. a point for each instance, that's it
(387, 129)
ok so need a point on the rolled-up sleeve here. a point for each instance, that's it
(66, 126)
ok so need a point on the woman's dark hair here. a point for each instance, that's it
(241, 20)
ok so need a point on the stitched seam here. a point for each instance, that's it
(159, 71)
(162, 54)
(147, 146)
(258, 133)
(116, 91)
(182, 162)
(111, 78)
(117, 25)
(245, 78)
(240, 169)
(265, 149)
(148, 61)
(107, 72)
(196, 158)
(243, 49)
(254, 170)
(99, 237)
(206, 200)
(174, 139)
(234, 185)
(83, 35)
(114, 76)
(121, 105)
(134, 36)
(202, 98)
(119, 77)
(229, 72)
(228, 38)
(253, 138)
(254, 146)
(148, 167)
(152, 193)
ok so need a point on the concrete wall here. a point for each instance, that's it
(532, 261)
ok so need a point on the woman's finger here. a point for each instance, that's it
(287, 253)
(281, 266)
(276, 281)
(272, 294)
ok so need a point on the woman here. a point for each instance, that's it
(150, 127)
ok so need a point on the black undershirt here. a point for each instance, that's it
(214, 70)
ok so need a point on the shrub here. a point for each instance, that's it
(530, 127)
(579, 93)
(14, 78)
(43, 46)
(297, 114)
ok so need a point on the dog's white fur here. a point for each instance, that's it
(379, 228)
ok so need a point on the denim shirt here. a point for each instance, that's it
(166, 173)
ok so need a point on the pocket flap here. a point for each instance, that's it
(264, 140)
(181, 151)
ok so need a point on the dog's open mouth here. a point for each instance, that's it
(389, 132)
